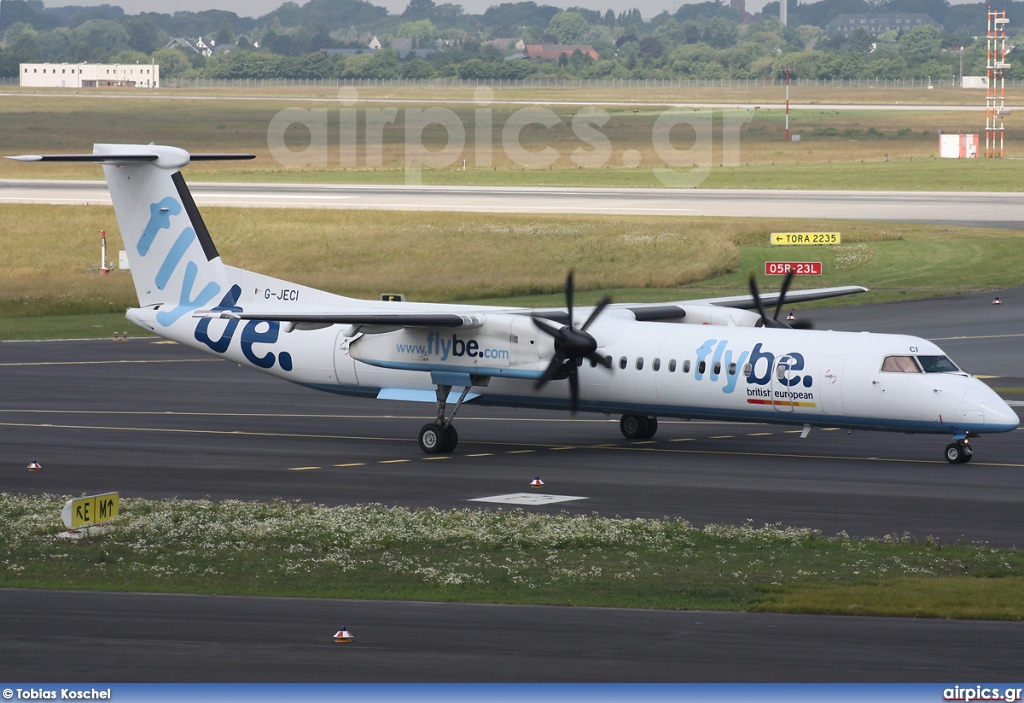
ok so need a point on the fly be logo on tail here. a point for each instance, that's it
(160, 220)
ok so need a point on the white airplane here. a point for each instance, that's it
(708, 359)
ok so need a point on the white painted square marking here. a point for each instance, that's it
(527, 499)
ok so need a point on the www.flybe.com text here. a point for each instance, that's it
(443, 347)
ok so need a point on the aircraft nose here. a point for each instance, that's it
(983, 406)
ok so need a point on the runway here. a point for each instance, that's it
(980, 209)
(153, 419)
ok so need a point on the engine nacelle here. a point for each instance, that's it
(499, 346)
(714, 315)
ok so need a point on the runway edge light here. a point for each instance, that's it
(343, 635)
(536, 483)
(34, 466)
(997, 301)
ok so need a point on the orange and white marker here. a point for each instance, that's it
(34, 466)
(536, 483)
(997, 301)
(343, 635)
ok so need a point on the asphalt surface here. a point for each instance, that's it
(153, 419)
(116, 637)
(980, 209)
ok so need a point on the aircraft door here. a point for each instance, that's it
(832, 385)
(781, 377)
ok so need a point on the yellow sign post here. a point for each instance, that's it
(806, 238)
(89, 510)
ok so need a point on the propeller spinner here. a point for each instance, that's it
(571, 345)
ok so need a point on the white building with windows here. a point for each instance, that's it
(89, 75)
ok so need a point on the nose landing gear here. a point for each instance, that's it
(959, 452)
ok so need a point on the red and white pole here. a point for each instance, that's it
(103, 252)
(787, 103)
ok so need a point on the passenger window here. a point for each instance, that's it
(900, 364)
(747, 369)
(622, 362)
(671, 365)
(686, 366)
(656, 365)
(639, 363)
(718, 367)
(732, 369)
(702, 367)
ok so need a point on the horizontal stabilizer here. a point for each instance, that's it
(125, 158)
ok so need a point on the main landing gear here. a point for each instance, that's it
(440, 437)
(638, 426)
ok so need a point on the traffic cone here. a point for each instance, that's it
(34, 466)
(536, 483)
(343, 635)
(997, 301)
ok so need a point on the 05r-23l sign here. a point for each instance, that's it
(806, 238)
(799, 268)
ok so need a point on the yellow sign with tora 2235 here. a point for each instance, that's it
(808, 238)
(89, 510)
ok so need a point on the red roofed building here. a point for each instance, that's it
(551, 52)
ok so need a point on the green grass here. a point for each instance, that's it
(871, 173)
(374, 552)
(87, 326)
(505, 259)
(856, 148)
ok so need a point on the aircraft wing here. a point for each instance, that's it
(643, 312)
(746, 302)
(399, 318)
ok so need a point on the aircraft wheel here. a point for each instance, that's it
(453, 439)
(433, 439)
(652, 427)
(957, 453)
(635, 426)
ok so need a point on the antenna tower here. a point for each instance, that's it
(995, 96)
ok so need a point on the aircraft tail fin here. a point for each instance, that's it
(175, 265)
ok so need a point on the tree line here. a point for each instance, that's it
(328, 39)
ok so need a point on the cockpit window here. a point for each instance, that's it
(900, 364)
(937, 364)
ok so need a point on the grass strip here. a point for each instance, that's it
(495, 258)
(286, 548)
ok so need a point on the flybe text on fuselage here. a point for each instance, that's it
(717, 363)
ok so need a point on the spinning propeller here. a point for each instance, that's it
(774, 320)
(571, 346)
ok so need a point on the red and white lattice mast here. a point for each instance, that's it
(995, 96)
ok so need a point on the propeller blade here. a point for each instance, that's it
(757, 301)
(597, 311)
(547, 327)
(549, 373)
(570, 294)
(802, 325)
(574, 387)
(782, 294)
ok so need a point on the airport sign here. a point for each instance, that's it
(799, 268)
(806, 238)
(89, 510)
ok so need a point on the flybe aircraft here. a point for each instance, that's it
(714, 359)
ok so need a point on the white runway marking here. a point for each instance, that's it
(527, 499)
